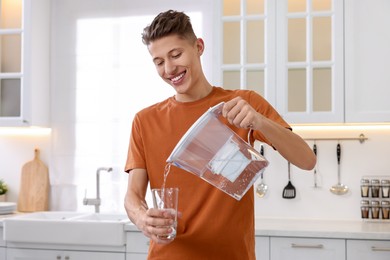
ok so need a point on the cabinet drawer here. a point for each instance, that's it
(368, 249)
(136, 242)
(307, 248)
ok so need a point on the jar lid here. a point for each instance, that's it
(374, 181)
(364, 202)
(375, 202)
(385, 181)
(365, 181)
(385, 203)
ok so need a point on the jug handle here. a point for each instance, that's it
(217, 109)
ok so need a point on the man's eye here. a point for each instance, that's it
(159, 63)
(175, 56)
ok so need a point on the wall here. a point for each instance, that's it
(17, 149)
(357, 160)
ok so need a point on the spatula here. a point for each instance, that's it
(289, 191)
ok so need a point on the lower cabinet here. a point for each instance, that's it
(368, 249)
(282, 248)
(39, 254)
(262, 248)
(3, 253)
(137, 246)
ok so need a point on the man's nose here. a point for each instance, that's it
(170, 67)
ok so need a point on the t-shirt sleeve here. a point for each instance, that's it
(136, 152)
(266, 109)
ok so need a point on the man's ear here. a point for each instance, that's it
(200, 45)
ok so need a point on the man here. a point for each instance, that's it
(212, 224)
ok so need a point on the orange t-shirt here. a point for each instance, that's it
(213, 224)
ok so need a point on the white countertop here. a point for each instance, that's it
(341, 229)
(344, 229)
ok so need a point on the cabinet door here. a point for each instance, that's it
(130, 256)
(137, 243)
(262, 248)
(72, 255)
(310, 72)
(368, 249)
(307, 248)
(367, 59)
(32, 254)
(3, 253)
(24, 62)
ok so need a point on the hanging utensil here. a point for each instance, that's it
(315, 166)
(289, 191)
(339, 188)
(261, 188)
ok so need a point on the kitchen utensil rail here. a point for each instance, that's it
(362, 138)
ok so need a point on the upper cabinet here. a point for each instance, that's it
(309, 75)
(24, 62)
(247, 36)
(316, 61)
(367, 61)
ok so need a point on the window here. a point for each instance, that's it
(102, 75)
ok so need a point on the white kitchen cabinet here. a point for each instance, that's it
(137, 245)
(368, 249)
(262, 248)
(367, 59)
(3, 253)
(291, 52)
(24, 57)
(2, 246)
(39, 254)
(282, 248)
(309, 62)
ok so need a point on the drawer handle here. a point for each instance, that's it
(319, 246)
(377, 248)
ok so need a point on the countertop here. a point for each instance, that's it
(341, 229)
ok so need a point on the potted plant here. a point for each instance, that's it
(3, 190)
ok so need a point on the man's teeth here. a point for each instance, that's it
(178, 77)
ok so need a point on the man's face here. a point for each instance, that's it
(177, 61)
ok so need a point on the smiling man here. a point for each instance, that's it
(212, 225)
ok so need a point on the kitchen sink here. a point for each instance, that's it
(102, 217)
(56, 227)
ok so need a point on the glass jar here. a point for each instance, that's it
(364, 187)
(375, 187)
(375, 209)
(385, 186)
(365, 208)
(385, 209)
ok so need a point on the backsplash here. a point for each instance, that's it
(370, 158)
(358, 160)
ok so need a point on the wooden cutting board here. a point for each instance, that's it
(34, 186)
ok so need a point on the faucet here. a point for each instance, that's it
(96, 201)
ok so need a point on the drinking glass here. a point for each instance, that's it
(167, 199)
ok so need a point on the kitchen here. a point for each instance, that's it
(67, 146)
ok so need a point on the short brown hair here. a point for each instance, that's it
(169, 23)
